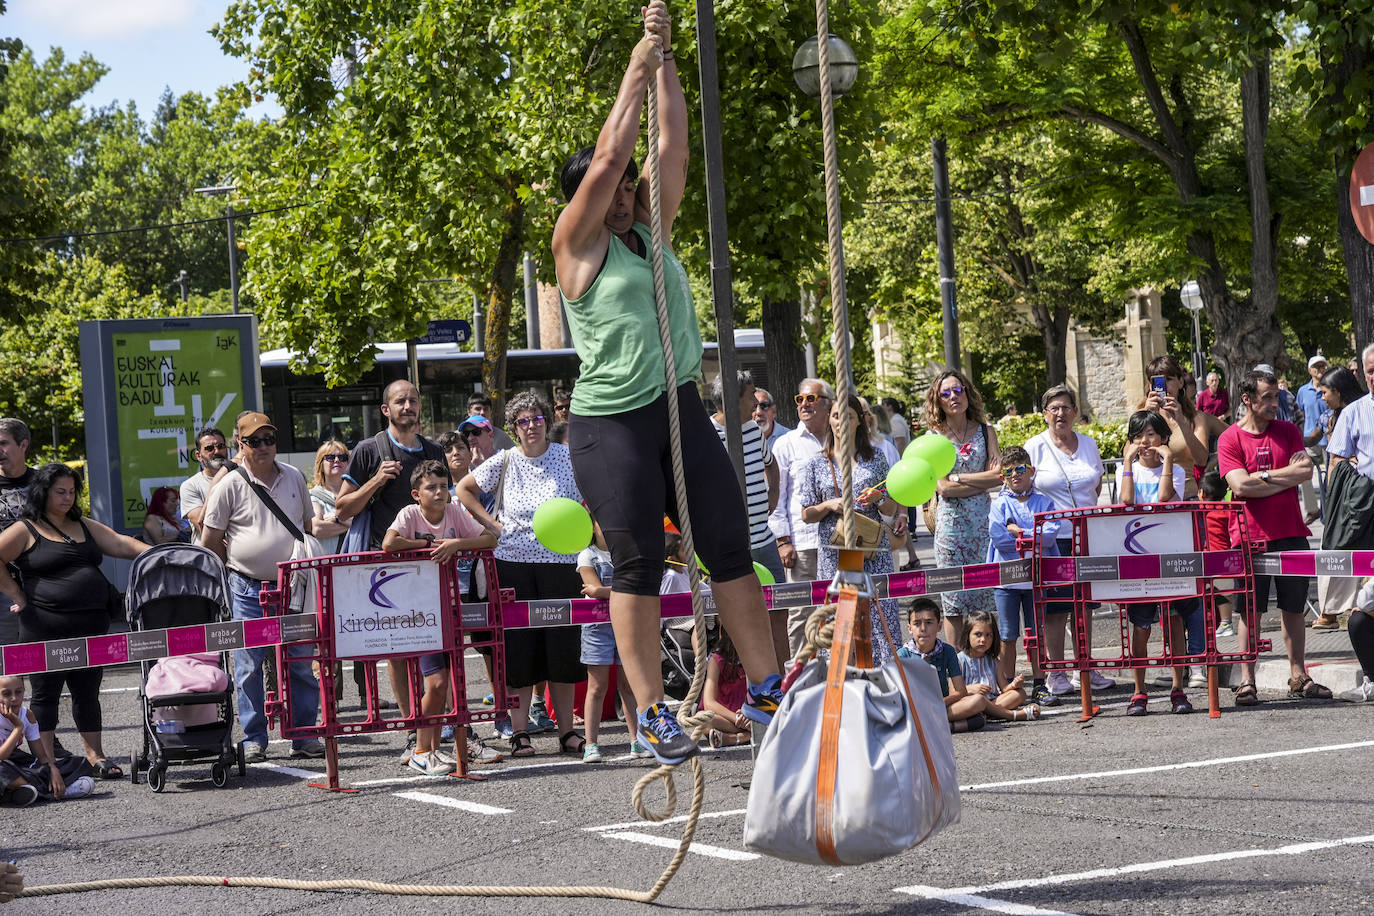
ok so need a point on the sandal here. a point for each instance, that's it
(575, 749)
(1303, 687)
(107, 770)
(1025, 715)
(520, 745)
(1246, 695)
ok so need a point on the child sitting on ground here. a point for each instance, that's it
(1148, 475)
(724, 694)
(979, 650)
(599, 652)
(1012, 516)
(964, 710)
(28, 776)
(444, 528)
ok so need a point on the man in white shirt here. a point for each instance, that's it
(212, 452)
(797, 541)
(243, 530)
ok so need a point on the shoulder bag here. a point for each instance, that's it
(868, 534)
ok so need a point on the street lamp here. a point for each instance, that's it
(1191, 294)
(216, 191)
(806, 66)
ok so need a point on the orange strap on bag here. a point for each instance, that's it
(849, 612)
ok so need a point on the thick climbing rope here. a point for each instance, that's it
(695, 725)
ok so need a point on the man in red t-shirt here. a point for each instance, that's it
(1214, 399)
(1264, 462)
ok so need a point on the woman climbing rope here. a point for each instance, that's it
(620, 429)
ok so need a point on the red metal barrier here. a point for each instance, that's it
(373, 607)
(1162, 546)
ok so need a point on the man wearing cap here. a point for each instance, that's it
(1314, 415)
(378, 480)
(255, 514)
(480, 435)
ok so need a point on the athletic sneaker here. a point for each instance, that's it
(1361, 694)
(763, 700)
(1197, 676)
(478, 752)
(489, 700)
(639, 751)
(502, 728)
(22, 796)
(1099, 681)
(591, 753)
(664, 738)
(409, 751)
(1137, 706)
(79, 787)
(1041, 696)
(430, 763)
(446, 733)
(539, 718)
(312, 749)
(1058, 683)
(1178, 702)
(1225, 629)
(254, 752)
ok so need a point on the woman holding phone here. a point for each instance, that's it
(1190, 429)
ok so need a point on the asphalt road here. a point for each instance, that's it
(1253, 812)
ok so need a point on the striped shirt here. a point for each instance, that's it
(757, 456)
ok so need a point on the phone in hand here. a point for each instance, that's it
(1157, 384)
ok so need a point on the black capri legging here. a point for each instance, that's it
(542, 653)
(624, 469)
(84, 683)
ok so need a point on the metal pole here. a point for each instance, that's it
(479, 329)
(808, 316)
(413, 362)
(531, 304)
(1197, 348)
(233, 262)
(944, 240)
(722, 295)
(184, 281)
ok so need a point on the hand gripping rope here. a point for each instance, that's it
(695, 725)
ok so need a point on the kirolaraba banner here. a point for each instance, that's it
(149, 385)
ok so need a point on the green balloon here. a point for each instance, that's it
(935, 450)
(765, 577)
(911, 481)
(563, 525)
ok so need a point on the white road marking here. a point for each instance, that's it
(289, 771)
(664, 823)
(991, 904)
(447, 802)
(398, 780)
(1187, 765)
(1295, 849)
(703, 849)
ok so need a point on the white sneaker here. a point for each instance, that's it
(79, 787)
(1361, 694)
(1058, 683)
(1225, 629)
(480, 753)
(591, 754)
(430, 764)
(1098, 680)
(1197, 676)
(443, 756)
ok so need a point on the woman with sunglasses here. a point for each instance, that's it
(331, 459)
(954, 409)
(521, 480)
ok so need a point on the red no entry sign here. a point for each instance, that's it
(1362, 193)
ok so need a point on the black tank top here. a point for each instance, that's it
(63, 578)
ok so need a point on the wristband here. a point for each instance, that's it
(668, 55)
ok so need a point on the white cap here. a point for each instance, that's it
(1316, 361)
(1264, 367)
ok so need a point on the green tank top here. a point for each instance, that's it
(614, 328)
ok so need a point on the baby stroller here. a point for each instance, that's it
(175, 585)
(677, 657)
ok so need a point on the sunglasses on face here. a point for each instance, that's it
(560, 408)
(217, 447)
(1016, 470)
(256, 442)
(338, 458)
(809, 398)
(527, 422)
(954, 391)
(764, 405)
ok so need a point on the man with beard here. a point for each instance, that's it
(378, 479)
(213, 453)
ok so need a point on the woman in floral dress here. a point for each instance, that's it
(819, 490)
(954, 409)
